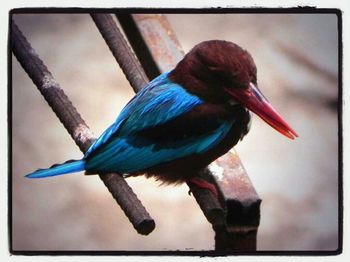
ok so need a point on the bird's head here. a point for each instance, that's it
(222, 72)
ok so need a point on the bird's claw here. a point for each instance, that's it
(201, 183)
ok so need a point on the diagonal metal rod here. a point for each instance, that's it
(132, 67)
(121, 51)
(77, 128)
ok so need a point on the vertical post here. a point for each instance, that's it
(242, 205)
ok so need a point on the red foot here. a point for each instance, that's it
(201, 183)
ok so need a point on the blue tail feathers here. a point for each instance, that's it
(70, 166)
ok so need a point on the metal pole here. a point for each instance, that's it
(121, 51)
(77, 128)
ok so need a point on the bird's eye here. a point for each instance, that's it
(214, 69)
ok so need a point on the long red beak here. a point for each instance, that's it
(255, 101)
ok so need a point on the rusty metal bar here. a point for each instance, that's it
(120, 50)
(241, 203)
(139, 46)
(152, 34)
(77, 128)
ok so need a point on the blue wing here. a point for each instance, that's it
(121, 148)
(134, 153)
(158, 102)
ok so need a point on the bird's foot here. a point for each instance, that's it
(201, 183)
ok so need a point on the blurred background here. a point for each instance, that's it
(297, 60)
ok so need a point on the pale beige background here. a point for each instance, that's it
(297, 180)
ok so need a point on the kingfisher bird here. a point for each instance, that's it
(182, 120)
